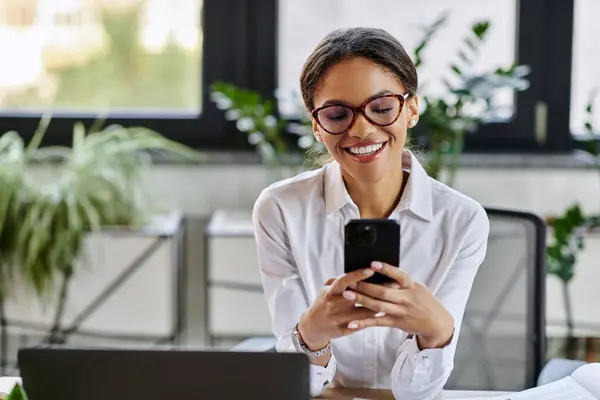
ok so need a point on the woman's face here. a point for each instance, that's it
(366, 152)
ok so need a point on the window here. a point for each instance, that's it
(586, 64)
(147, 62)
(303, 23)
(106, 55)
(141, 62)
(17, 13)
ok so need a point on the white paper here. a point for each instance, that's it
(564, 389)
(588, 376)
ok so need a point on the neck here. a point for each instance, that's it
(377, 200)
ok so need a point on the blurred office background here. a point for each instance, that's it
(511, 121)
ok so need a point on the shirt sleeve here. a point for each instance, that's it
(282, 284)
(422, 374)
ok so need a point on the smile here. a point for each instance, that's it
(366, 153)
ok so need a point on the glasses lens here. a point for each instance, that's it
(384, 110)
(335, 119)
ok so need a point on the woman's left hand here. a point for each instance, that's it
(407, 305)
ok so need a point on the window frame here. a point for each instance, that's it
(238, 47)
(540, 123)
(541, 120)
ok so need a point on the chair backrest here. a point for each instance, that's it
(502, 339)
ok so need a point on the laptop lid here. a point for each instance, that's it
(125, 374)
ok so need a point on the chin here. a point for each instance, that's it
(368, 173)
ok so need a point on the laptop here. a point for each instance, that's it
(59, 373)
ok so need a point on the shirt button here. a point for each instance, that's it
(370, 340)
(370, 366)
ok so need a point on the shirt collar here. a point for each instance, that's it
(416, 197)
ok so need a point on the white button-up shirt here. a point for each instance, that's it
(299, 225)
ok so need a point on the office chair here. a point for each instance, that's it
(502, 340)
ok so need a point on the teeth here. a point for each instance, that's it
(366, 150)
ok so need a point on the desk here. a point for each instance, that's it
(376, 394)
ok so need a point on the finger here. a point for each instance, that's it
(358, 313)
(392, 285)
(359, 324)
(351, 278)
(381, 292)
(375, 305)
(401, 277)
(330, 281)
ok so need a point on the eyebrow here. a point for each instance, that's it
(335, 102)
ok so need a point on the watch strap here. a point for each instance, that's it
(311, 353)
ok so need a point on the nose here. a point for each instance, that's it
(362, 127)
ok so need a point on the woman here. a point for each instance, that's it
(360, 87)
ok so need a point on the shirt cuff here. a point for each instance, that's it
(321, 377)
(430, 363)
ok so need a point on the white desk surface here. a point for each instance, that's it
(379, 394)
(7, 383)
(467, 394)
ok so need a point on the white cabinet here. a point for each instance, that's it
(584, 292)
(236, 307)
(127, 288)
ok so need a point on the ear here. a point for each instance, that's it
(316, 130)
(413, 108)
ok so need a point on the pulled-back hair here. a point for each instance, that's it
(374, 44)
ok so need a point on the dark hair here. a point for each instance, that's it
(376, 45)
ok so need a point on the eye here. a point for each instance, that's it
(382, 110)
(383, 105)
(337, 117)
(335, 113)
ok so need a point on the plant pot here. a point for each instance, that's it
(127, 286)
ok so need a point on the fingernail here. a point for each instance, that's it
(352, 325)
(349, 295)
(395, 286)
(368, 272)
(376, 265)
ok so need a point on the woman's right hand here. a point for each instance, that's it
(328, 316)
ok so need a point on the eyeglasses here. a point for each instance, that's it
(381, 111)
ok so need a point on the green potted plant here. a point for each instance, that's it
(568, 231)
(280, 139)
(99, 184)
(468, 102)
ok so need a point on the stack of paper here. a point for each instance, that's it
(583, 384)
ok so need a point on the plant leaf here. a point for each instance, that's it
(17, 393)
(480, 29)
(39, 133)
(455, 68)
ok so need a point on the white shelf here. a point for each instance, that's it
(230, 223)
(236, 304)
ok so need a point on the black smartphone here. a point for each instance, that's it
(368, 240)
